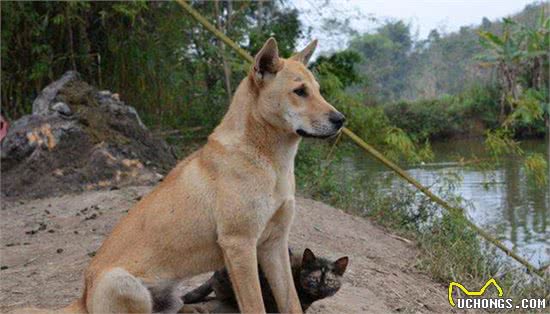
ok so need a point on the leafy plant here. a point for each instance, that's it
(537, 168)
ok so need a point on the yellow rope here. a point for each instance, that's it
(373, 152)
(199, 18)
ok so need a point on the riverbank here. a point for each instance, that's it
(450, 251)
(503, 198)
(468, 115)
(47, 243)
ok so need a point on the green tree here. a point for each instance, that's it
(384, 54)
(504, 53)
(520, 55)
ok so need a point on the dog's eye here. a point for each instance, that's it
(300, 92)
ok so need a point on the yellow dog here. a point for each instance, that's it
(230, 203)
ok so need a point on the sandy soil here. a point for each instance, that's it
(46, 244)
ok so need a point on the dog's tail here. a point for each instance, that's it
(75, 307)
(199, 293)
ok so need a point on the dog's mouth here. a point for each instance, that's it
(303, 133)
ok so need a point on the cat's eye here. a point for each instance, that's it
(315, 279)
(300, 91)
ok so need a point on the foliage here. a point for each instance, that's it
(152, 53)
(501, 144)
(520, 55)
(527, 112)
(338, 72)
(425, 118)
(537, 168)
(400, 67)
(342, 65)
(385, 58)
(467, 114)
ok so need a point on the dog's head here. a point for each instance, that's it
(288, 94)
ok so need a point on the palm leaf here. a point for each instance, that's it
(491, 38)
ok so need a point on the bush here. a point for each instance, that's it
(424, 119)
(369, 123)
(469, 114)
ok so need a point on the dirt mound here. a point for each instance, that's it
(46, 244)
(79, 138)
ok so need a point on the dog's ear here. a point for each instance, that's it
(267, 59)
(304, 55)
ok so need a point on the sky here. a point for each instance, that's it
(424, 15)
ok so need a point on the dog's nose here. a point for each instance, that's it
(336, 118)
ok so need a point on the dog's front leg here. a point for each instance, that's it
(275, 260)
(242, 264)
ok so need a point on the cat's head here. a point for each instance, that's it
(320, 277)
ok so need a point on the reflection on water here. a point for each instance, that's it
(503, 200)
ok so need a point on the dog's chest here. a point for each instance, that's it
(283, 189)
(284, 186)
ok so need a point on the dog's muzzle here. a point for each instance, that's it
(337, 119)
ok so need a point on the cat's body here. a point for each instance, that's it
(314, 278)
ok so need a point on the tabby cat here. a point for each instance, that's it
(315, 278)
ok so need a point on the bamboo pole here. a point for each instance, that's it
(373, 152)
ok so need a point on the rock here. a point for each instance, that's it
(62, 108)
(79, 138)
(104, 93)
(41, 104)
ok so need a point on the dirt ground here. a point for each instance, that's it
(47, 243)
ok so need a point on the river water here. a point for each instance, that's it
(502, 200)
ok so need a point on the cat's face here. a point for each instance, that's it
(320, 277)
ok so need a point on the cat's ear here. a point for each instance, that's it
(308, 257)
(340, 265)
